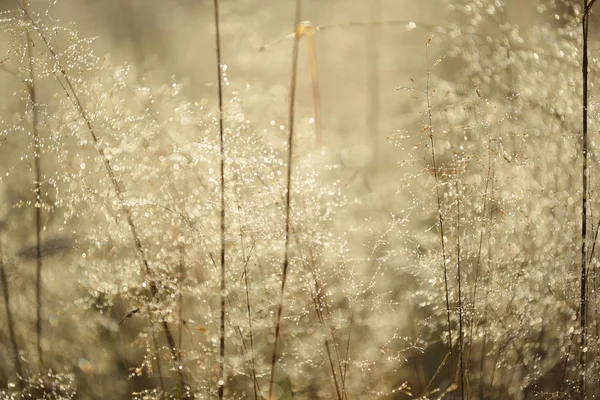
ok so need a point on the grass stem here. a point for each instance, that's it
(584, 199)
(288, 192)
(439, 209)
(37, 203)
(221, 382)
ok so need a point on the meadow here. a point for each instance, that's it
(299, 199)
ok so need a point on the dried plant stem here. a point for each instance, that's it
(322, 310)
(72, 94)
(484, 221)
(252, 362)
(439, 209)
(487, 288)
(435, 375)
(221, 382)
(245, 260)
(460, 304)
(346, 361)
(161, 379)
(331, 364)
(321, 306)
(584, 200)
(180, 322)
(11, 325)
(37, 204)
(288, 191)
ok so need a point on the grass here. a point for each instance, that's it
(292, 230)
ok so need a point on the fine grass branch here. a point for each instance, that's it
(439, 207)
(245, 261)
(73, 95)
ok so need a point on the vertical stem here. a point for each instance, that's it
(37, 189)
(156, 357)
(288, 191)
(347, 355)
(245, 260)
(483, 230)
(460, 309)
(179, 366)
(222, 227)
(584, 199)
(439, 211)
(11, 325)
(486, 295)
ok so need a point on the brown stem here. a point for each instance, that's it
(439, 211)
(584, 200)
(288, 191)
(11, 325)
(221, 382)
(37, 203)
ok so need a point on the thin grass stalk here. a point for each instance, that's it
(439, 208)
(584, 199)
(321, 308)
(288, 191)
(252, 362)
(335, 379)
(180, 322)
(485, 309)
(214, 264)
(245, 261)
(321, 305)
(161, 379)
(246, 354)
(11, 325)
(460, 305)
(480, 246)
(346, 361)
(593, 282)
(221, 382)
(37, 204)
(72, 94)
(435, 375)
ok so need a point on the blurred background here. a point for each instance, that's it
(372, 289)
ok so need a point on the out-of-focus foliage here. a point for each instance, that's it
(465, 122)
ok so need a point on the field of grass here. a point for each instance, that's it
(299, 199)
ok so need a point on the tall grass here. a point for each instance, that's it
(288, 190)
(169, 233)
(222, 218)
